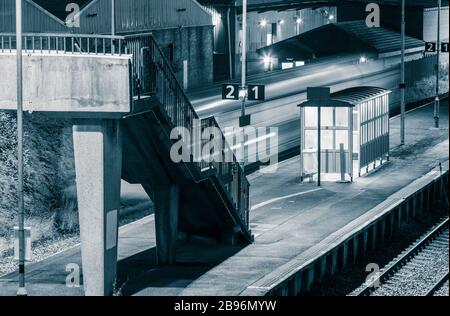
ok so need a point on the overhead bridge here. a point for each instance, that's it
(125, 101)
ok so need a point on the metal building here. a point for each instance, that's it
(36, 18)
(357, 122)
(183, 28)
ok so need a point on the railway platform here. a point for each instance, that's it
(288, 220)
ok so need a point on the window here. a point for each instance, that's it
(342, 138)
(342, 117)
(311, 139)
(310, 117)
(327, 116)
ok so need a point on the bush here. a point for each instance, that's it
(426, 87)
(49, 174)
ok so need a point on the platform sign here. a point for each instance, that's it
(430, 47)
(256, 92)
(444, 47)
(230, 91)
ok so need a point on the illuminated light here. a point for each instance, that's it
(267, 59)
(281, 22)
(331, 17)
(243, 93)
(299, 63)
(299, 21)
(287, 65)
(263, 23)
(362, 59)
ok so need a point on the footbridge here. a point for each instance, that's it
(124, 101)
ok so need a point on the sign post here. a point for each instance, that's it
(402, 80)
(438, 46)
(21, 228)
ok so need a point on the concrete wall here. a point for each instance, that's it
(194, 44)
(68, 83)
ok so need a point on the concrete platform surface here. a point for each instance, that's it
(287, 218)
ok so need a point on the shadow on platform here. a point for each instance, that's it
(140, 272)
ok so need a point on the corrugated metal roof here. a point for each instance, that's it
(275, 4)
(357, 95)
(95, 15)
(142, 15)
(36, 18)
(340, 38)
(382, 39)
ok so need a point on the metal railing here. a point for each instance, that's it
(228, 170)
(153, 75)
(64, 43)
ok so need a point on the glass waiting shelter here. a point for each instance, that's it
(353, 134)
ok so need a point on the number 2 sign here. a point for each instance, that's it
(230, 92)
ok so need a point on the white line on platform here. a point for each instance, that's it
(257, 206)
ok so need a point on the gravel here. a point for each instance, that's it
(40, 251)
(45, 248)
(418, 275)
(443, 291)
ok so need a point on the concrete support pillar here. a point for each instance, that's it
(323, 268)
(373, 238)
(98, 165)
(382, 229)
(407, 210)
(295, 285)
(391, 224)
(166, 199)
(333, 262)
(365, 237)
(344, 257)
(308, 279)
(355, 249)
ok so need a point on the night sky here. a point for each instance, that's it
(58, 7)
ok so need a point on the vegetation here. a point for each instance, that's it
(425, 88)
(49, 176)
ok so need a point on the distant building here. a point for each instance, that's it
(183, 28)
(345, 38)
(266, 25)
(421, 16)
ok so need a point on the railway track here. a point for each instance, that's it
(421, 270)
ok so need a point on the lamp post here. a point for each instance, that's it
(22, 290)
(402, 83)
(113, 25)
(438, 48)
(243, 93)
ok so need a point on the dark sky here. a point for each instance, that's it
(58, 7)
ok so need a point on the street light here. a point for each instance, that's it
(22, 291)
(438, 47)
(402, 83)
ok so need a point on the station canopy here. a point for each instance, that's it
(339, 38)
(270, 5)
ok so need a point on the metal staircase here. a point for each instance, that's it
(214, 195)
